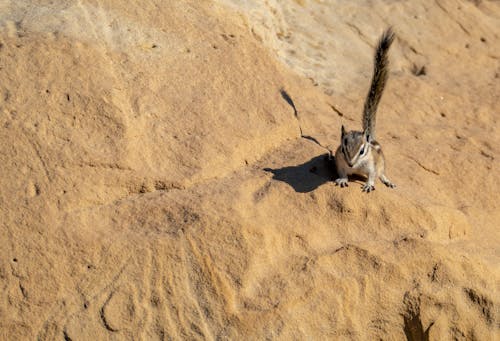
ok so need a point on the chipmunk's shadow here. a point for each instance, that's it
(308, 176)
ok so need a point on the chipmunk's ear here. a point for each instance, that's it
(343, 130)
(367, 136)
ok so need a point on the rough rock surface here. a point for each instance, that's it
(162, 171)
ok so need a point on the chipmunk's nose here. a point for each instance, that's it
(349, 163)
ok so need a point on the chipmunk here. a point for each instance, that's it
(358, 152)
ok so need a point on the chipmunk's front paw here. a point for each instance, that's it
(342, 182)
(390, 184)
(387, 182)
(368, 188)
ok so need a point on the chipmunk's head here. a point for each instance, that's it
(354, 146)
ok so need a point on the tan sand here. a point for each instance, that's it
(154, 183)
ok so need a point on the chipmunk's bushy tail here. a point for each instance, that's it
(380, 74)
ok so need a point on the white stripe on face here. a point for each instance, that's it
(360, 155)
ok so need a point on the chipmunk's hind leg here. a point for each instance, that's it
(385, 180)
(381, 171)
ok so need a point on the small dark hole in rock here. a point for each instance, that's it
(67, 97)
(337, 111)
(419, 71)
(85, 305)
(467, 46)
(483, 40)
(14, 260)
(160, 186)
(443, 114)
(154, 46)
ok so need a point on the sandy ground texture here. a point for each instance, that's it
(157, 183)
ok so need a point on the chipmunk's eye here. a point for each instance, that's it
(362, 151)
